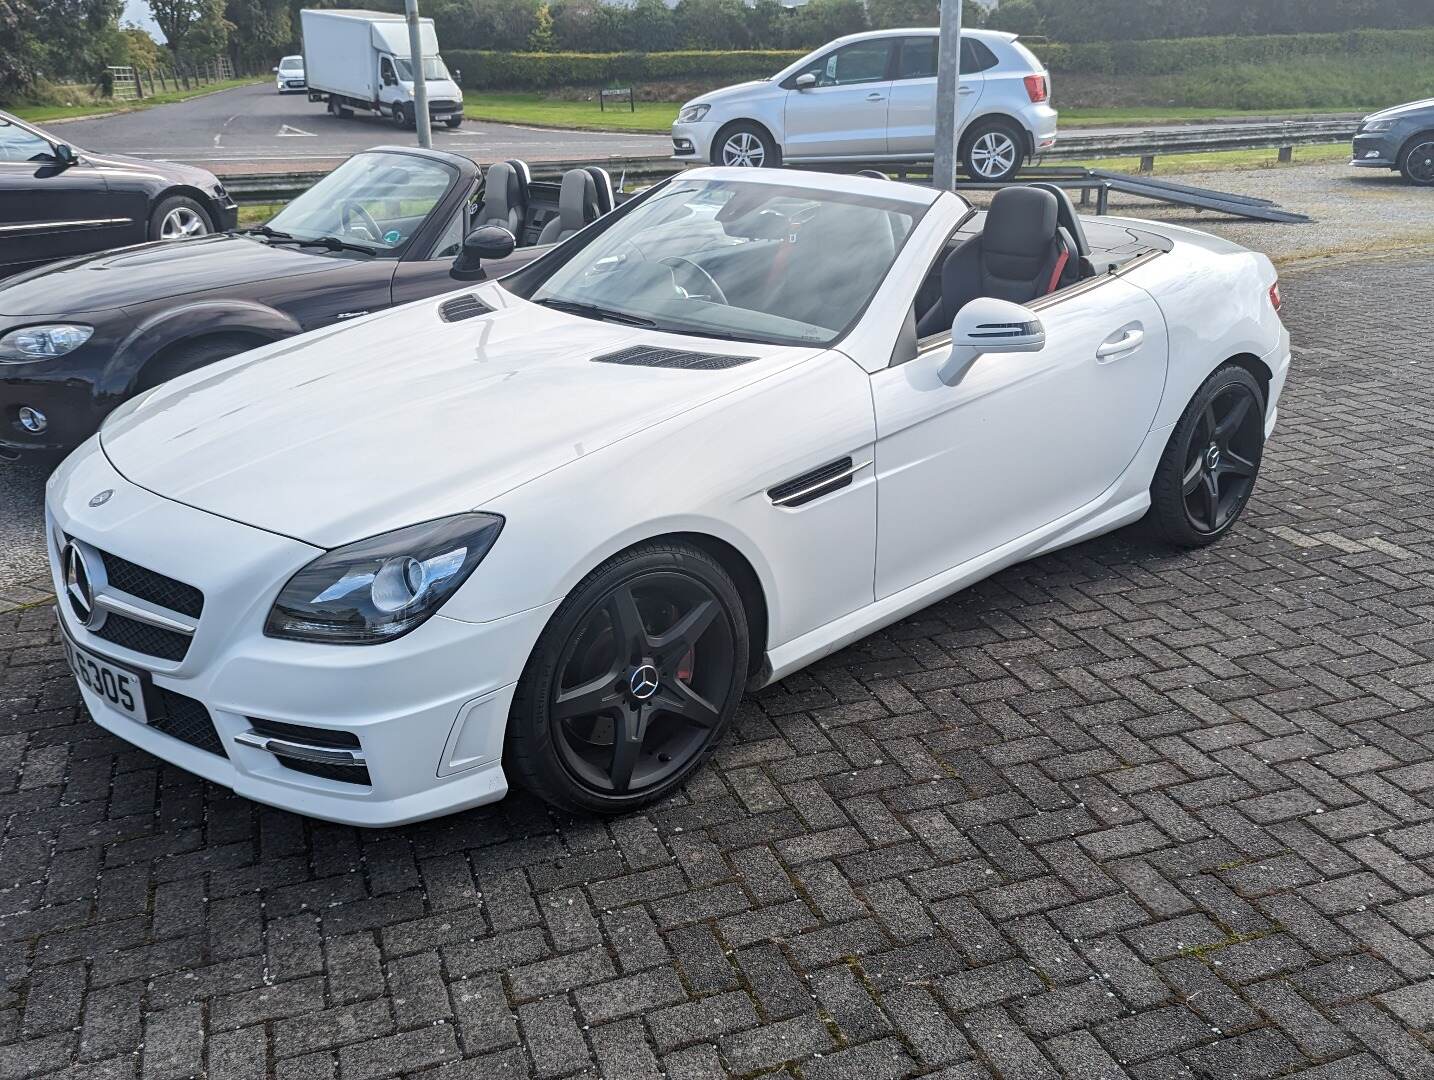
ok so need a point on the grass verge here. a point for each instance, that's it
(536, 110)
(1174, 164)
(41, 113)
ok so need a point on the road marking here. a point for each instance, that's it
(286, 131)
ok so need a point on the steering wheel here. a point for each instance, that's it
(350, 210)
(716, 293)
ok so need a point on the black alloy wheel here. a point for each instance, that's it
(632, 683)
(1418, 162)
(1209, 468)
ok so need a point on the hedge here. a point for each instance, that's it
(484, 70)
(487, 70)
(1164, 57)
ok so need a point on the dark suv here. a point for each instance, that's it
(1400, 138)
(57, 200)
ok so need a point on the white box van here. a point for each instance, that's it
(362, 60)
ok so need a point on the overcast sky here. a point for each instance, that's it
(137, 11)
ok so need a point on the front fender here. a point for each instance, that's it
(161, 329)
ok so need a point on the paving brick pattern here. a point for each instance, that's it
(1120, 811)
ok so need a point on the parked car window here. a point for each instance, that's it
(918, 57)
(863, 61)
(20, 144)
(751, 262)
(376, 200)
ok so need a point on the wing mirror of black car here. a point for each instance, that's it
(805, 81)
(488, 242)
(64, 153)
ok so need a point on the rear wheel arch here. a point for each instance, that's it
(1258, 368)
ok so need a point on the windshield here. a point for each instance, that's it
(433, 69)
(742, 260)
(375, 201)
(291, 63)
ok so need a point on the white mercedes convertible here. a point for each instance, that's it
(547, 529)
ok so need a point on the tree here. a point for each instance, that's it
(542, 38)
(261, 31)
(195, 30)
(60, 38)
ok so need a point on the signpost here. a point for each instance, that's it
(420, 79)
(948, 97)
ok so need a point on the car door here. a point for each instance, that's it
(844, 114)
(348, 289)
(49, 208)
(1022, 440)
(911, 115)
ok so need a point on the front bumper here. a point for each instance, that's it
(65, 391)
(1376, 151)
(693, 142)
(429, 710)
(226, 213)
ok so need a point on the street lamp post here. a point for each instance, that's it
(420, 81)
(948, 97)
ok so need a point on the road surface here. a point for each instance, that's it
(253, 129)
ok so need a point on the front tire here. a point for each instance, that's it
(400, 118)
(1416, 163)
(178, 218)
(993, 152)
(745, 145)
(632, 683)
(1212, 460)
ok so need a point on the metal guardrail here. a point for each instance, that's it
(1198, 138)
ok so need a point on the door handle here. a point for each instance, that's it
(967, 90)
(1126, 339)
(875, 97)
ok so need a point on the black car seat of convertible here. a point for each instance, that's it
(503, 201)
(1021, 253)
(577, 207)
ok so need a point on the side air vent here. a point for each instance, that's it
(810, 486)
(462, 307)
(647, 356)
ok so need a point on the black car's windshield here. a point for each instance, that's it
(21, 144)
(373, 201)
(750, 261)
(433, 69)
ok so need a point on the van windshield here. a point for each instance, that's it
(433, 69)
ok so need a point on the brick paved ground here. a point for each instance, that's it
(1118, 809)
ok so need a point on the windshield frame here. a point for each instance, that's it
(403, 68)
(528, 280)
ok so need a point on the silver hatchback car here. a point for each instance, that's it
(872, 98)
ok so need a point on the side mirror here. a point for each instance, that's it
(805, 81)
(988, 325)
(274, 70)
(489, 242)
(64, 153)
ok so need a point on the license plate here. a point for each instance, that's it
(119, 687)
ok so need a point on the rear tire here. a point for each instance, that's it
(993, 151)
(632, 683)
(187, 356)
(1210, 465)
(746, 145)
(338, 111)
(1416, 161)
(178, 218)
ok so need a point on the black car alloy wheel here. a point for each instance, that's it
(633, 681)
(1418, 164)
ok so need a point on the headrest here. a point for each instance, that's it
(603, 182)
(577, 199)
(1021, 221)
(1066, 214)
(524, 179)
(500, 191)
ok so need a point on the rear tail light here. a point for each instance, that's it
(1036, 88)
(1275, 300)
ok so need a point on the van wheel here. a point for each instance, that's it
(992, 151)
(338, 111)
(400, 118)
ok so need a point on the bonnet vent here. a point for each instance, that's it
(467, 306)
(647, 356)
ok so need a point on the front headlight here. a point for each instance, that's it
(1376, 125)
(383, 587)
(31, 343)
(690, 114)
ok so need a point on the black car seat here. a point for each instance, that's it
(503, 202)
(1019, 255)
(577, 207)
(1082, 264)
(606, 199)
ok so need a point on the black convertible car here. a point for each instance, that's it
(57, 200)
(387, 226)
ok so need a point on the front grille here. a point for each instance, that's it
(442, 105)
(143, 638)
(344, 774)
(337, 740)
(648, 356)
(149, 585)
(185, 719)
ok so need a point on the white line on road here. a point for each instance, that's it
(288, 132)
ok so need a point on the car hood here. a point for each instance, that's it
(137, 275)
(741, 90)
(401, 417)
(174, 171)
(1403, 110)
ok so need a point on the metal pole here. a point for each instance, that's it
(420, 84)
(948, 97)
